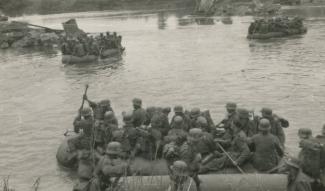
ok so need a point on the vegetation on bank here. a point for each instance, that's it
(19, 7)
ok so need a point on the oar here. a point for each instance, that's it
(83, 100)
(227, 154)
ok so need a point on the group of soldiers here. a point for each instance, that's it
(89, 45)
(275, 24)
(190, 143)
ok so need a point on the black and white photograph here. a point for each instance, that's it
(162, 95)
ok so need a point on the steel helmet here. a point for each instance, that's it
(137, 102)
(196, 133)
(243, 113)
(109, 115)
(105, 102)
(178, 109)
(266, 112)
(202, 121)
(178, 120)
(114, 148)
(304, 132)
(231, 105)
(128, 117)
(195, 112)
(264, 125)
(86, 112)
(180, 168)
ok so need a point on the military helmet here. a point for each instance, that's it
(231, 105)
(304, 133)
(180, 168)
(202, 121)
(128, 117)
(114, 148)
(195, 133)
(178, 109)
(243, 113)
(178, 120)
(105, 102)
(137, 102)
(109, 115)
(264, 125)
(151, 109)
(86, 112)
(266, 112)
(118, 134)
(195, 112)
(166, 109)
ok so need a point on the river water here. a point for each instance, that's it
(171, 58)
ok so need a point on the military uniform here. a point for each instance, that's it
(267, 148)
(139, 114)
(276, 128)
(297, 180)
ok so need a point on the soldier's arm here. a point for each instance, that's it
(278, 146)
(244, 151)
(91, 103)
(76, 124)
(281, 134)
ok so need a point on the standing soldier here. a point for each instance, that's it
(100, 108)
(139, 114)
(276, 128)
(83, 119)
(267, 148)
(180, 112)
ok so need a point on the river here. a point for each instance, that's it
(171, 58)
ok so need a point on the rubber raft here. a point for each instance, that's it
(269, 35)
(70, 59)
(153, 176)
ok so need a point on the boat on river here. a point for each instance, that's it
(269, 35)
(153, 175)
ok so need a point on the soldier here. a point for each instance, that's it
(103, 132)
(297, 180)
(276, 128)
(248, 126)
(266, 147)
(177, 130)
(85, 170)
(131, 141)
(321, 140)
(110, 167)
(179, 175)
(310, 153)
(100, 108)
(231, 113)
(139, 114)
(202, 123)
(194, 114)
(84, 118)
(180, 112)
(238, 151)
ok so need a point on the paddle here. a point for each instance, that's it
(227, 154)
(82, 105)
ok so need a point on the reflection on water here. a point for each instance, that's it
(170, 58)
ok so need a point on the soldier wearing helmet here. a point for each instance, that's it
(103, 132)
(275, 124)
(139, 114)
(297, 180)
(238, 150)
(266, 147)
(177, 130)
(194, 114)
(247, 125)
(110, 168)
(100, 108)
(131, 142)
(231, 108)
(84, 120)
(179, 175)
(179, 111)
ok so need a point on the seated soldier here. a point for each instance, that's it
(237, 154)
(176, 130)
(297, 180)
(110, 169)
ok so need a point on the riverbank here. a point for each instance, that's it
(21, 7)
